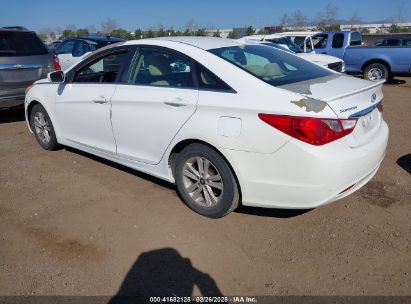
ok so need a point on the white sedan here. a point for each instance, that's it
(232, 124)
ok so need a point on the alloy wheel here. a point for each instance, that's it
(202, 181)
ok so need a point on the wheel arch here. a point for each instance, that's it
(178, 147)
(381, 61)
(29, 108)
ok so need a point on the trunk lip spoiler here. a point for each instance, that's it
(365, 111)
(366, 88)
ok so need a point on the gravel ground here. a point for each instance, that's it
(74, 224)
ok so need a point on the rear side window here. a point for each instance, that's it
(21, 44)
(356, 39)
(338, 41)
(209, 81)
(393, 42)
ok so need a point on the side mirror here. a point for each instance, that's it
(56, 77)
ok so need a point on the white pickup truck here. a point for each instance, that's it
(285, 42)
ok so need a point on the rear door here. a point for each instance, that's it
(159, 98)
(23, 60)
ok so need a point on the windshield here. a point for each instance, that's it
(271, 65)
(288, 42)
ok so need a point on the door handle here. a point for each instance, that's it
(176, 103)
(100, 100)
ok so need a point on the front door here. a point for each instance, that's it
(83, 104)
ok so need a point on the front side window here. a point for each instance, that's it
(320, 41)
(102, 70)
(338, 41)
(270, 65)
(157, 68)
(66, 47)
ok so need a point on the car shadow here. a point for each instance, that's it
(12, 115)
(405, 162)
(123, 168)
(395, 81)
(278, 213)
(263, 212)
(164, 273)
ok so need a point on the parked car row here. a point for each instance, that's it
(229, 123)
(375, 63)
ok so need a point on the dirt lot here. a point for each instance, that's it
(73, 224)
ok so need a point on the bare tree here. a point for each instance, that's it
(354, 19)
(285, 20)
(329, 14)
(299, 19)
(401, 14)
(71, 27)
(192, 25)
(108, 26)
(92, 29)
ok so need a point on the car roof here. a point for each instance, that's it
(15, 29)
(205, 43)
(101, 38)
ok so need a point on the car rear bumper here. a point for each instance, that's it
(300, 176)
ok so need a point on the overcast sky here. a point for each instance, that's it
(131, 14)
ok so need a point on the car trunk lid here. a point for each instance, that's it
(349, 98)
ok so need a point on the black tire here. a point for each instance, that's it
(47, 143)
(381, 72)
(228, 197)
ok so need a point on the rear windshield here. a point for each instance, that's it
(20, 44)
(271, 65)
(288, 42)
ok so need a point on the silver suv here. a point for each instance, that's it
(23, 60)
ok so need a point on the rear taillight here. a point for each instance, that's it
(380, 107)
(315, 131)
(56, 63)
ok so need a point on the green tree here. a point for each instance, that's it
(231, 35)
(121, 33)
(249, 31)
(82, 32)
(150, 34)
(68, 34)
(217, 33)
(200, 32)
(187, 32)
(43, 36)
(332, 28)
(138, 34)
